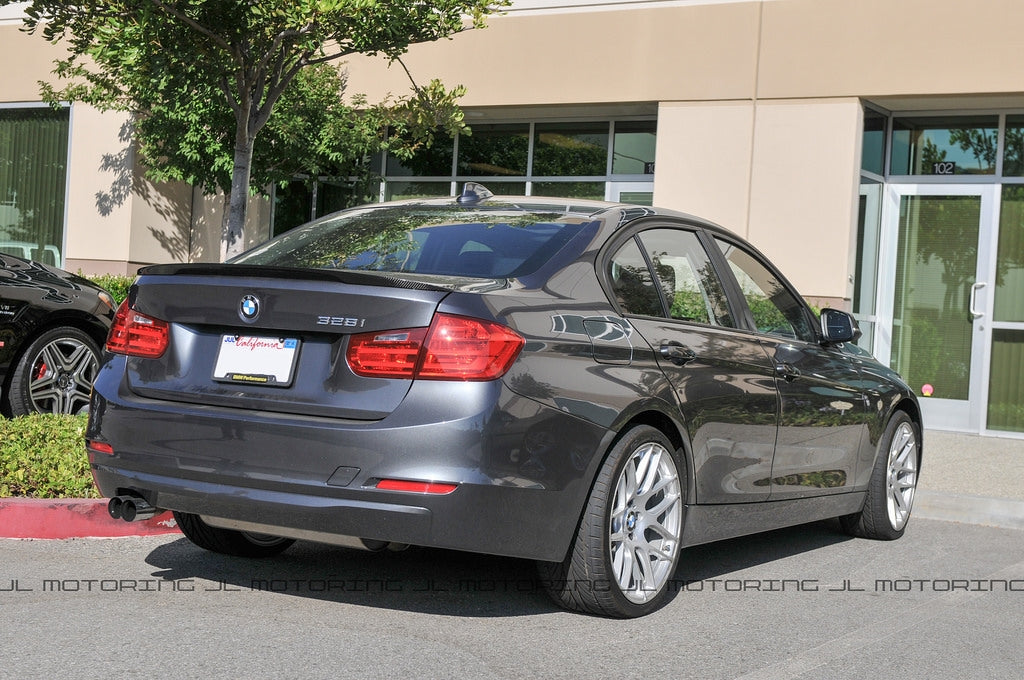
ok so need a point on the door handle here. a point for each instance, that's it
(787, 372)
(973, 308)
(677, 353)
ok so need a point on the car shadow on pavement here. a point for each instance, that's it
(446, 582)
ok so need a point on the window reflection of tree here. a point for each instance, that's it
(775, 309)
(635, 290)
(382, 239)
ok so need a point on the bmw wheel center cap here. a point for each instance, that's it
(249, 308)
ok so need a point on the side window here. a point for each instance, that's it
(687, 276)
(632, 283)
(776, 310)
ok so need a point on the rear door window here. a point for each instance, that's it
(666, 272)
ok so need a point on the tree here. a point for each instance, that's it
(175, 64)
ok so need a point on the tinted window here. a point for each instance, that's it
(775, 309)
(632, 284)
(687, 276)
(424, 240)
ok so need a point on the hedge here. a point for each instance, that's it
(115, 284)
(43, 456)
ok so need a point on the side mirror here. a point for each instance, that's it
(837, 326)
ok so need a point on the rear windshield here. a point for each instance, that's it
(424, 240)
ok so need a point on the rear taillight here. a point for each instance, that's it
(136, 334)
(453, 348)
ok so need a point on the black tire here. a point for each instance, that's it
(890, 496)
(55, 374)
(595, 577)
(229, 541)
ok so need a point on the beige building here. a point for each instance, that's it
(873, 149)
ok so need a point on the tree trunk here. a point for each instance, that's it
(233, 241)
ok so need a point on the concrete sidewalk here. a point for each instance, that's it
(971, 479)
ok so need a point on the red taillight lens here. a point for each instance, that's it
(390, 354)
(136, 334)
(453, 348)
(459, 348)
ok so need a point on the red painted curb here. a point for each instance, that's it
(73, 518)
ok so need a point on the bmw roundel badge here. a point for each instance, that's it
(249, 307)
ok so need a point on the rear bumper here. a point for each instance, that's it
(523, 469)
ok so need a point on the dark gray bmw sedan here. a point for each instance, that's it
(591, 385)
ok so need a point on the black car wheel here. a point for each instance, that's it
(55, 374)
(627, 545)
(893, 484)
(229, 541)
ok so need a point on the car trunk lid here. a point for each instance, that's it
(274, 339)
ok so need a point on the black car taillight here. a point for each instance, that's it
(137, 335)
(452, 348)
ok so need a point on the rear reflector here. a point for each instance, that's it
(99, 447)
(453, 348)
(136, 334)
(439, 488)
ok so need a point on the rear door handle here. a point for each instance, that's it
(677, 353)
(787, 372)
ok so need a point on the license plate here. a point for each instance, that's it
(256, 360)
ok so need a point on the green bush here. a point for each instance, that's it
(116, 284)
(43, 456)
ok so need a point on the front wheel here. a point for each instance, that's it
(627, 545)
(229, 541)
(893, 483)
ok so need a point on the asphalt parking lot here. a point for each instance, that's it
(806, 602)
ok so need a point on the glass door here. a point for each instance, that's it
(935, 296)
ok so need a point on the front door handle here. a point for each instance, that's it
(677, 353)
(973, 308)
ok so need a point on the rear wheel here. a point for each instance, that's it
(627, 544)
(893, 483)
(55, 374)
(229, 541)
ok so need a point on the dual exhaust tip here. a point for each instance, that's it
(131, 508)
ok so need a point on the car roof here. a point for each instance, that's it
(617, 214)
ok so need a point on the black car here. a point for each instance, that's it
(52, 326)
(591, 385)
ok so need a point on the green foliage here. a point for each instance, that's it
(202, 79)
(43, 456)
(689, 305)
(767, 317)
(115, 284)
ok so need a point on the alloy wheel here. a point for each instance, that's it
(645, 523)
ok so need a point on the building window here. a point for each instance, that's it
(573, 159)
(1013, 147)
(570, 149)
(633, 148)
(33, 181)
(872, 157)
(601, 160)
(495, 151)
(962, 145)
